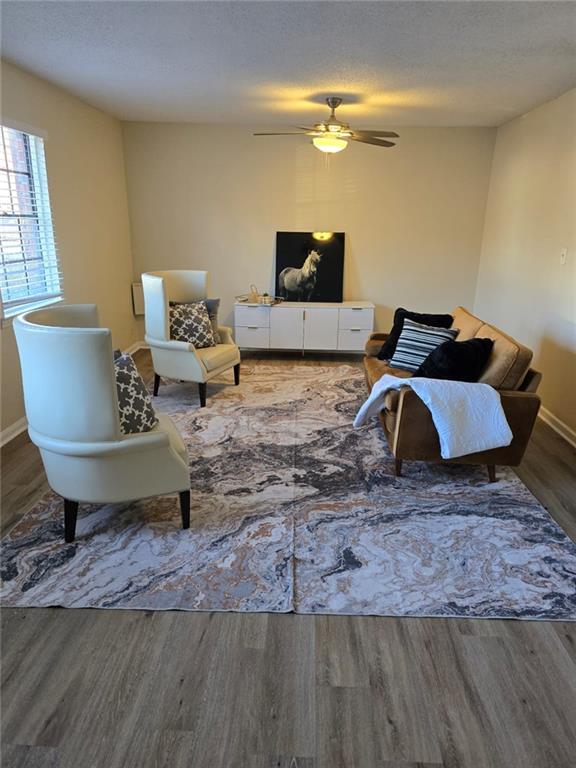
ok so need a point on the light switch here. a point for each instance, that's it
(563, 255)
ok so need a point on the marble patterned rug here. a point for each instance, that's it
(293, 510)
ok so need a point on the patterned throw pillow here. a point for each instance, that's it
(191, 323)
(134, 404)
(212, 305)
(401, 314)
(416, 342)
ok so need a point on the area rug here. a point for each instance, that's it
(293, 510)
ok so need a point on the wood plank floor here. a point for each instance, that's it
(116, 689)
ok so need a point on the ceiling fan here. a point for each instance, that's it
(332, 135)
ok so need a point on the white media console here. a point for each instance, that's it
(319, 326)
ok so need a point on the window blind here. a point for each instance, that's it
(29, 267)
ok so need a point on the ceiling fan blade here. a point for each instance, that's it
(376, 133)
(288, 133)
(371, 140)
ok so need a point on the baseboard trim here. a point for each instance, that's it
(13, 431)
(21, 425)
(558, 426)
(135, 347)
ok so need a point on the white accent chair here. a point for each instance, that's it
(72, 409)
(178, 359)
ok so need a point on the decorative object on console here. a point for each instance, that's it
(389, 346)
(309, 268)
(457, 360)
(134, 405)
(416, 342)
(190, 322)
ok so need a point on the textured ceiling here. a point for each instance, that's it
(272, 63)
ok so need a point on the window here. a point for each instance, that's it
(29, 269)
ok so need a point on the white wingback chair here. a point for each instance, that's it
(72, 409)
(178, 359)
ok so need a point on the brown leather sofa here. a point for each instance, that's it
(407, 422)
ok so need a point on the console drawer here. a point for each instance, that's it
(355, 317)
(353, 340)
(258, 316)
(253, 337)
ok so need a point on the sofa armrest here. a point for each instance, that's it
(415, 435)
(531, 381)
(374, 344)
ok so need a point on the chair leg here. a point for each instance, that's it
(156, 384)
(202, 393)
(185, 509)
(398, 467)
(237, 374)
(70, 516)
(491, 472)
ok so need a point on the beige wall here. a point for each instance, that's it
(84, 158)
(530, 218)
(213, 197)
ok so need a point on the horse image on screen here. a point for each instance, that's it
(309, 266)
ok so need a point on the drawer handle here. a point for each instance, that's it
(357, 309)
(252, 327)
(354, 330)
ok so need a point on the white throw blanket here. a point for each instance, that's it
(468, 417)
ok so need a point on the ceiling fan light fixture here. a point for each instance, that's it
(330, 144)
(322, 236)
(332, 135)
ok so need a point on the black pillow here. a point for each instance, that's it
(457, 360)
(389, 346)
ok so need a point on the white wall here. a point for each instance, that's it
(213, 197)
(530, 218)
(85, 164)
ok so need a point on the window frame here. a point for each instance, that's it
(43, 225)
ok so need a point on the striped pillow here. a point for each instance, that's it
(416, 342)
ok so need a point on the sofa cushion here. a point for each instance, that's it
(389, 346)
(509, 360)
(375, 369)
(457, 360)
(467, 324)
